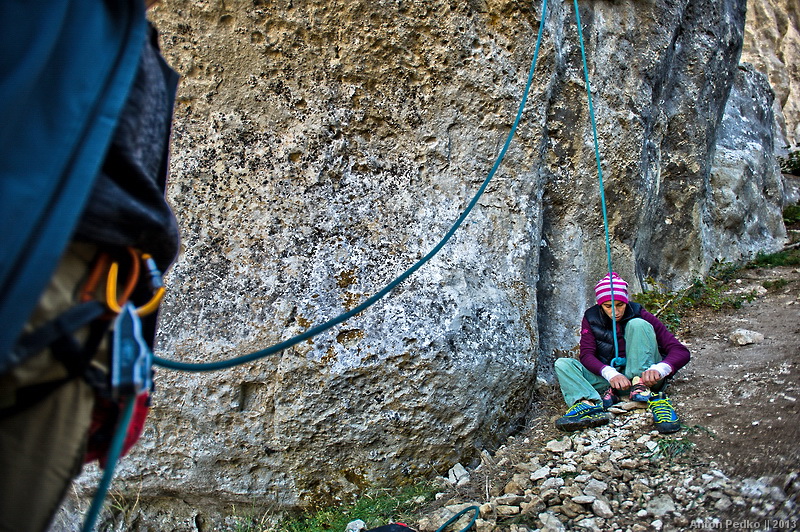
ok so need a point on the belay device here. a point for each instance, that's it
(131, 382)
(131, 365)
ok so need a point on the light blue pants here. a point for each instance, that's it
(641, 352)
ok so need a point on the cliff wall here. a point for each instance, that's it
(322, 147)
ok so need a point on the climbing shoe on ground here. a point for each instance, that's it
(610, 398)
(582, 415)
(639, 392)
(664, 415)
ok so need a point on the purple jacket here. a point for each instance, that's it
(674, 353)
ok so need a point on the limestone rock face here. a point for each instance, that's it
(772, 45)
(662, 75)
(321, 148)
(745, 204)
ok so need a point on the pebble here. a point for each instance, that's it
(559, 446)
(595, 488)
(539, 474)
(550, 523)
(356, 526)
(660, 505)
(574, 484)
(505, 511)
(552, 483)
(458, 475)
(509, 499)
(602, 509)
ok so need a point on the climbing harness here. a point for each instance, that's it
(130, 376)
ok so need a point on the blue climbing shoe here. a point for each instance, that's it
(582, 415)
(639, 392)
(664, 415)
(610, 398)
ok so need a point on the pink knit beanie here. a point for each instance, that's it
(603, 289)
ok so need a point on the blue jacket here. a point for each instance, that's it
(66, 67)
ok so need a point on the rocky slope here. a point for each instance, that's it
(623, 477)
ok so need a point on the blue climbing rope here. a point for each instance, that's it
(122, 428)
(310, 333)
(114, 452)
(617, 361)
(458, 516)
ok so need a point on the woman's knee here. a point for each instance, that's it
(640, 325)
(565, 364)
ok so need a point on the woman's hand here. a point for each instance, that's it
(620, 382)
(650, 378)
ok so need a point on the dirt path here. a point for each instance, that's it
(747, 395)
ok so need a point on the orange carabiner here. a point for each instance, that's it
(155, 281)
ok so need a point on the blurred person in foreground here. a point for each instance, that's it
(86, 100)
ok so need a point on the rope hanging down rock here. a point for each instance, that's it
(617, 360)
(314, 331)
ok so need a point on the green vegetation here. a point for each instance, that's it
(789, 257)
(670, 449)
(791, 215)
(664, 304)
(707, 292)
(712, 291)
(122, 507)
(375, 508)
(791, 163)
(699, 429)
(775, 285)
(251, 521)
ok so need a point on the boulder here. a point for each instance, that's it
(320, 150)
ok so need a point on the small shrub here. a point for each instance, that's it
(724, 271)
(670, 449)
(791, 163)
(775, 285)
(789, 257)
(669, 306)
(710, 292)
(791, 215)
(661, 303)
